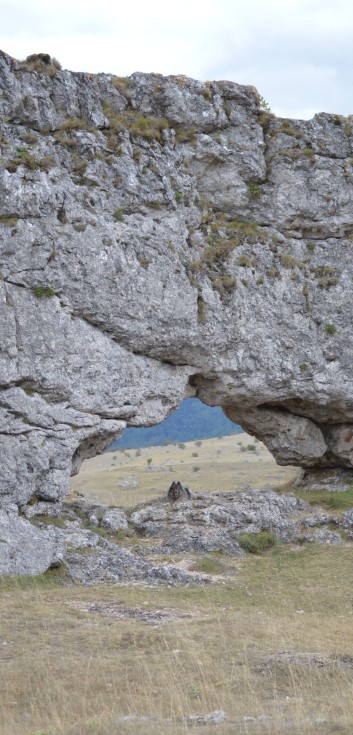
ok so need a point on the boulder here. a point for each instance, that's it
(26, 549)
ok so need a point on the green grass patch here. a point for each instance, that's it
(257, 543)
(57, 521)
(43, 292)
(119, 215)
(330, 329)
(24, 158)
(288, 261)
(28, 390)
(42, 64)
(255, 190)
(330, 499)
(53, 577)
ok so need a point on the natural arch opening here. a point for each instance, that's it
(196, 445)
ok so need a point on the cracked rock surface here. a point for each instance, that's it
(96, 544)
(161, 238)
(87, 557)
(214, 521)
(25, 549)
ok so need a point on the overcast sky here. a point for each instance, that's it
(298, 53)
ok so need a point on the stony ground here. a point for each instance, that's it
(211, 522)
(165, 542)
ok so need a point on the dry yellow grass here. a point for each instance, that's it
(66, 670)
(126, 478)
(74, 661)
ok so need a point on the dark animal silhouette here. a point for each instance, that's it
(177, 492)
(44, 58)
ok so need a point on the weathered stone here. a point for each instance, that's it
(348, 519)
(336, 479)
(290, 438)
(115, 519)
(214, 521)
(212, 718)
(25, 549)
(110, 564)
(163, 238)
(80, 538)
(202, 524)
(322, 536)
(43, 508)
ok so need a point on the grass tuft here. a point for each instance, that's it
(119, 215)
(257, 543)
(208, 565)
(330, 329)
(138, 125)
(43, 292)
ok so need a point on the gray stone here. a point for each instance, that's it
(111, 564)
(317, 520)
(78, 538)
(213, 521)
(322, 536)
(213, 718)
(94, 520)
(115, 520)
(203, 249)
(25, 549)
(348, 519)
(43, 508)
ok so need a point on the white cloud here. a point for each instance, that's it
(297, 52)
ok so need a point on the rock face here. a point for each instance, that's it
(162, 238)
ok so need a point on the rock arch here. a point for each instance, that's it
(162, 238)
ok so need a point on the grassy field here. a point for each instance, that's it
(269, 640)
(125, 478)
(74, 661)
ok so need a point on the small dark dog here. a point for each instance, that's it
(177, 492)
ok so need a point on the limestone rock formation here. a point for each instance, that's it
(214, 521)
(160, 238)
(25, 549)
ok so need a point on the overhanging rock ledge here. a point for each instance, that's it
(162, 237)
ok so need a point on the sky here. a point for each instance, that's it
(298, 53)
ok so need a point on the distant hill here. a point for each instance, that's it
(193, 420)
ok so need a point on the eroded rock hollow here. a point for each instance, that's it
(161, 238)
